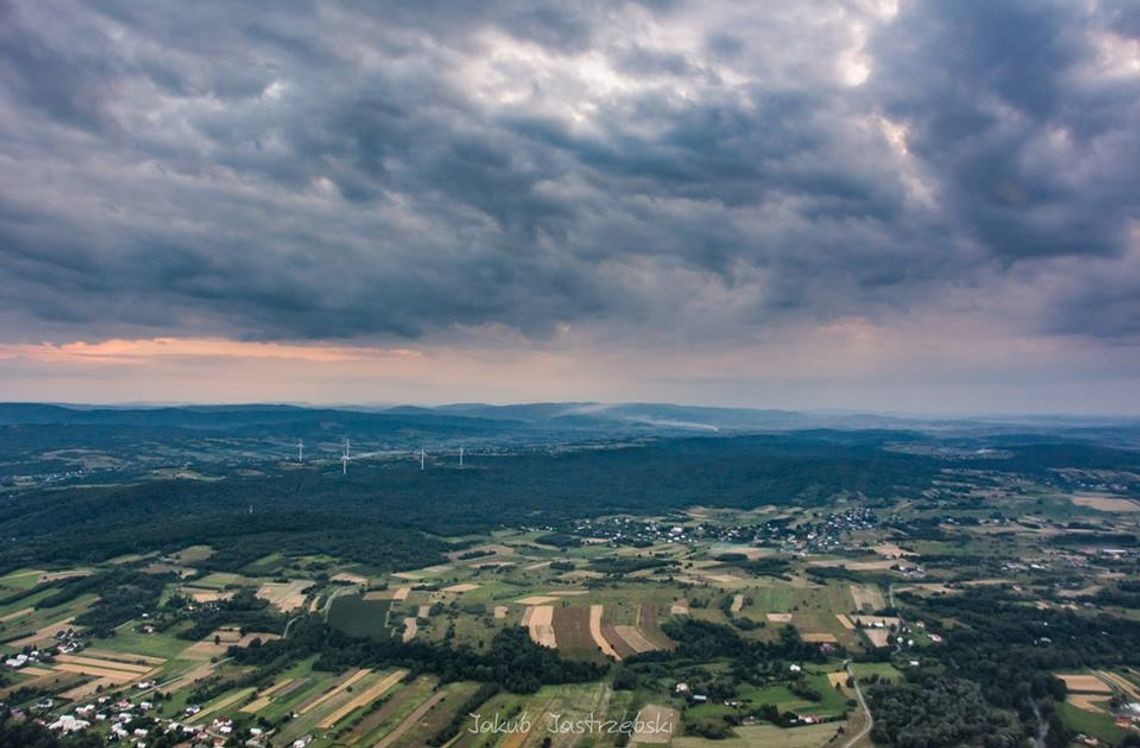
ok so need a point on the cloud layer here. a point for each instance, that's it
(652, 174)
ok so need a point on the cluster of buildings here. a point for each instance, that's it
(819, 534)
(135, 724)
(67, 642)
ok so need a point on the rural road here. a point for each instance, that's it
(862, 703)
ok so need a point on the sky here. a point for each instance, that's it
(909, 206)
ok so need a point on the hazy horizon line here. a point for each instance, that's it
(343, 405)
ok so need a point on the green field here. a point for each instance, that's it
(356, 616)
(1098, 725)
(768, 736)
(885, 670)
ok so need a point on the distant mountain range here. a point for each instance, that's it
(569, 419)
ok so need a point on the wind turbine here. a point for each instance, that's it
(421, 458)
(344, 458)
(461, 457)
(300, 450)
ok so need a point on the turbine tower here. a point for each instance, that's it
(300, 450)
(421, 458)
(461, 457)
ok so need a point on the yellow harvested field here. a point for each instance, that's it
(350, 680)
(867, 597)
(423, 611)
(539, 620)
(285, 596)
(203, 595)
(655, 726)
(1083, 683)
(278, 686)
(257, 705)
(844, 621)
(366, 697)
(411, 625)
(537, 600)
(349, 577)
(679, 608)
(737, 603)
(632, 636)
(47, 632)
(877, 637)
(1106, 503)
(596, 632)
(1088, 702)
(206, 648)
(109, 664)
(500, 611)
(118, 676)
(892, 550)
(780, 617)
(17, 614)
(570, 593)
(88, 689)
(36, 671)
(465, 587)
(837, 679)
(819, 638)
(870, 565)
(401, 594)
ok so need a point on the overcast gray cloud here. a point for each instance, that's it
(361, 171)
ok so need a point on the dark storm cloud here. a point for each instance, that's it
(310, 170)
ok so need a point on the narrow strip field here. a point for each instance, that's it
(367, 697)
(636, 640)
(350, 680)
(596, 632)
(411, 720)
